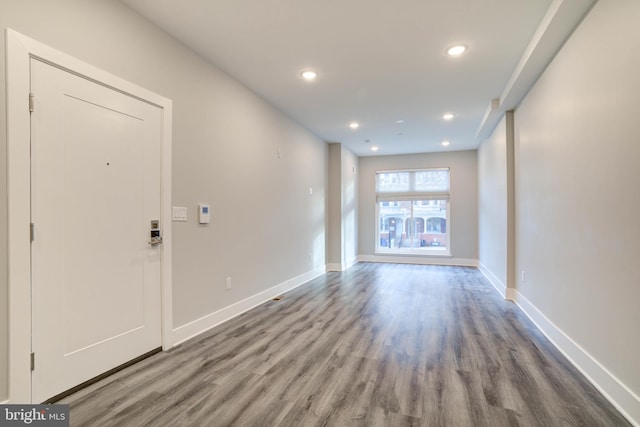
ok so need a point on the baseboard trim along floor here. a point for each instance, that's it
(199, 326)
(620, 396)
(383, 344)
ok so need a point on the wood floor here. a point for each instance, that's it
(376, 345)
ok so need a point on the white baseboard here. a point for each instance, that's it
(342, 266)
(621, 396)
(395, 259)
(6, 402)
(197, 327)
(336, 266)
(493, 279)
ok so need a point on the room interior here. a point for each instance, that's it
(542, 151)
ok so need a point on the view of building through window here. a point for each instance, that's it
(412, 211)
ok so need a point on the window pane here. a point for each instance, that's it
(436, 180)
(393, 222)
(434, 214)
(416, 226)
(392, 182)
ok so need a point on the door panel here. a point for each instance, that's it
(95, 189)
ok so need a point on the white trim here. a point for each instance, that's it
(412, 170)
(167, 225)
(205, 323)
(6, 402)
(621, 396)
(426, 253)
(19, 50)
(336, 266)
(353, 261)
(493, 279)
(462, 262)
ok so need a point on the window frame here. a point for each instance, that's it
(413, 196)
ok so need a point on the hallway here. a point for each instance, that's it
(378, 344)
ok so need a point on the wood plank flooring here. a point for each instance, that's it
(376, 345)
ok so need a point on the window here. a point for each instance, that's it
(413, 212)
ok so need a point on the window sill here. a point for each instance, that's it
(425, 254)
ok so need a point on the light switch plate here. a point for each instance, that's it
(179, 214)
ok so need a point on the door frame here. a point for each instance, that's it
(20, 50)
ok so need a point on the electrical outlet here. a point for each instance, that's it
(310, 255)
(228, 283)
(523, 276)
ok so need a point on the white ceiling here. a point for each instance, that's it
(378, 61)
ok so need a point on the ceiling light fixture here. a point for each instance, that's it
(374, 148)
(309, 75)
(447, 116)
(456, 50)
(445, 143)
(400, 121)
(354, 125)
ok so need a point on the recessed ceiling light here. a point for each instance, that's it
(399, 121)
(456, 50)
(354, 125)
(447, 116)
(374, 148)
(445, 143)
(309, 75)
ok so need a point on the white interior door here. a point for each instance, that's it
(95, 174)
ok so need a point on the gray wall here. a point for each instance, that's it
(463, 204)
(343, 208)
(577, 198)
(496, 205)
(264, 223)
(492, 203)
(334, 232)
(349, 191)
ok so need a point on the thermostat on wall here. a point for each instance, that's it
(203, 213)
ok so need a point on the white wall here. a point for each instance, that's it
(578, 198)
(463, 203)
(264, 223)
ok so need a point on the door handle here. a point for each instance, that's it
(155, 241)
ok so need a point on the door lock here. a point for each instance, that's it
(155, 236)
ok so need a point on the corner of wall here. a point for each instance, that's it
(494, 280)
(623, 398)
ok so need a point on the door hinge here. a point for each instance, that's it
(32, 231)
(33, 361)
(31, 104)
